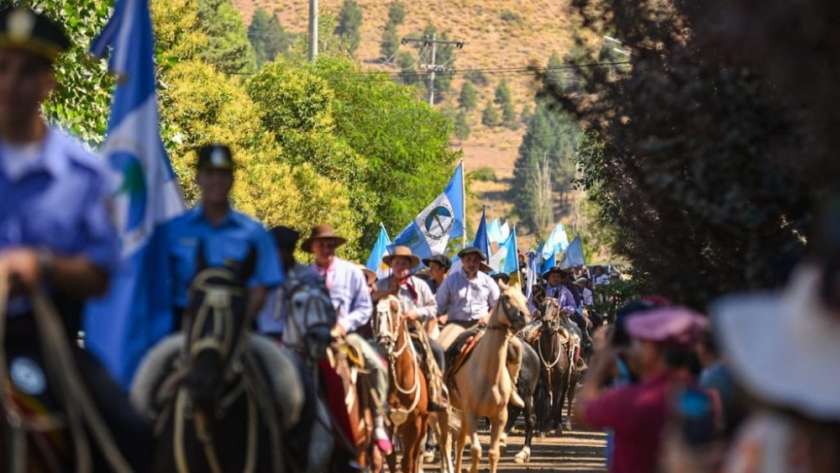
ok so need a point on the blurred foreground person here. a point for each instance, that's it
(784, 350)
(660, 341)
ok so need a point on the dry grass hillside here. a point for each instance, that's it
(498, 34)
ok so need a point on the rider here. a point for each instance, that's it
(419, 305)
(224, 234)
(554, 289)
(271, 320)
(351, 299)
(439, 265)
(56, 232)
(467, 298)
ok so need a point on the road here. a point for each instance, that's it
(577, 451)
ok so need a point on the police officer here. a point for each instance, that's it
(56, 233)
(226, 235)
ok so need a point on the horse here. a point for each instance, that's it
(526, 386)
(481, 386)
(50, 420)
(220, 383)
(407, 390)
(555, 349)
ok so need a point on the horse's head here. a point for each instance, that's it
(512, 308)
(217, 305)
(386, 322)
(552, 315)
(311, 318)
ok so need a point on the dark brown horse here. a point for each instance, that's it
(555, 348)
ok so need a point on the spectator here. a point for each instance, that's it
(600, 277)
(717, 378)
(659, 342)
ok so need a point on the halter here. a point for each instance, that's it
(390, 332)
(315, 312)
(216, 304)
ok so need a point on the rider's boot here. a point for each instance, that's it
(514, 363)
(381, 437)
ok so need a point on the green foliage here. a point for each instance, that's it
(502, 93)
(484, 174)
(444, 56)
(349, 24)
(267, 36)
(81, 103)
(554, 72)
(407, 63)
(490, 116)
(526, 114)
(390, 42)
(511, 17)
(396, 13)
(477, 78)
(468, 98)
(610, 297)
(228, 48)
(462, 128)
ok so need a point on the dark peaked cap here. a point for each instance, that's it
(23, 28)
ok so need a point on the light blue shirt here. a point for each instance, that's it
(59, 201)
(272, 317)
(349, 293)
(467, 299)
(227, 242)
(564, 298)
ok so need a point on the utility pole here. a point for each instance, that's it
(433, 67)
(313, 30)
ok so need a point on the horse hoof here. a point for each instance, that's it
(567, 426)
(428, 456)
(522, 457)
(542, 435)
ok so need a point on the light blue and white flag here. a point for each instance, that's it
(533, 272)
(573, 255)
(136, 312)
(506, 259)
(494, 232)
(557, 241)
(441, 221)
(548, 264)
(505, 230)
(380, 249)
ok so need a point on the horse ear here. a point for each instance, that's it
(200, 257)
(246, 269)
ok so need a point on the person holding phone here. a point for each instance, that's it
(659, 341)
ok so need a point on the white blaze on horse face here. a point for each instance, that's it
(383, 319)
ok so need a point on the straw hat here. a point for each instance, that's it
(322, 232)
(404, 252)
(369, 275)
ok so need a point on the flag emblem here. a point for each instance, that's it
(437, 223)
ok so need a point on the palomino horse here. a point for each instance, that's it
(219, 410)
(481, 387)
(555, 347)
(407, 390)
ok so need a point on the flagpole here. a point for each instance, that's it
(464, 200)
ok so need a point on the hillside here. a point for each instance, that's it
(499, 35)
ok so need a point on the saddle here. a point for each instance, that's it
(458, 353)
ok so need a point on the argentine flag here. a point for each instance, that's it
(505, 230)
(494, 231)
(380, 249)
(573, 255)
(557, 241)
(441, 221)
(136, 312)
(506, 258)
(533, 276)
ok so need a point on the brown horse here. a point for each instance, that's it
(482, 387)
(407, 391)
(558, 377)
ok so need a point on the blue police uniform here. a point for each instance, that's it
(229, 241)
(58, 200)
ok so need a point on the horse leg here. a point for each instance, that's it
(513, 414)
(411, 433)
(475, 444)
(571, 389)
(444, 440)
(496, 426)
(524, 455)
(459, 447)
(392, 461)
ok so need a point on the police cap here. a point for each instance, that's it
(215, 156)
(22, 28)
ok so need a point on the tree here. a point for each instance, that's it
(468, 98)
(349, 24)
(396, 13)
(391, 40)
(228, 48)
(406, 63)
(490, 117)
(554, 72)
(509, 118)
(462, 128)
(258, 33)
(502, 93)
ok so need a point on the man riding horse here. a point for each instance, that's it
(56, 234)
(465, 301)
(350, 296)
(419, 305)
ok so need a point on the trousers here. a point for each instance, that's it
(375, 363)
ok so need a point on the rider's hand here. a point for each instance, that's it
(410, 315)
(22, 265)
(338, 331)
(483, 320)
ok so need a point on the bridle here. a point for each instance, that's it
(310, 308)
(388, 323)
(217, 304)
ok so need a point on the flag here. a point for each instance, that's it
(380, 249)
(136, 312)
(482, 240)
(506, 259)
(439, 222)
(548, 264)
(532, 272)
(573, 255)
(505, 230)
(494, 232)
(557, 241)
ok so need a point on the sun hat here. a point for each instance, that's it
(581, 280)
(557, 270)
(471, 250)
(631, 309)
(404, 252)
(440, 259)
(370, 276)
(678, 327)
(322, 232)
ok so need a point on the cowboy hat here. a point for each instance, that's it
(471, 250)
(783, 348)
(370, 276)
(322, 232)
(284, 237)
(404, 252)
(561, 272)
(486, 268)
(440, 259)
(581, 280)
